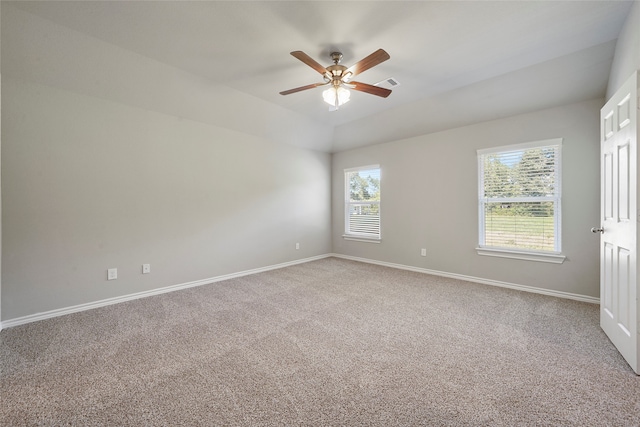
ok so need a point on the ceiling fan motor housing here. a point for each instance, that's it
(336, 74)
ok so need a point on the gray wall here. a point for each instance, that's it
(627, 56)
(94, 179)
(429, 199)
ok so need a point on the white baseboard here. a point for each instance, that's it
(533, 289)
(115, 300)
(88, 306)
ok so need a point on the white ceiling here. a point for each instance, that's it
(457, 62)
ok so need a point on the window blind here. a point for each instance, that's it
(520, 198)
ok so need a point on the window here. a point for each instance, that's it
(519, 201)
(362, 203)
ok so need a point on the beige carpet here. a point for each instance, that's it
(327, 343)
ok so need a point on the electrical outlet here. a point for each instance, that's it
(423, 252)
(297, 245)
(112, 274)
(146, 268)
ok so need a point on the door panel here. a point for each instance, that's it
(623, 183)
(608, 186)
(607, 284)
(624, 291)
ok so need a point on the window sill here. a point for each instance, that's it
(527, 256)
(361, 239)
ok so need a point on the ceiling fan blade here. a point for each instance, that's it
(301, 88)
(373, 90)
(309, 61)
(372, 60)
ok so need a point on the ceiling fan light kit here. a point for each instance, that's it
(339, 77)
(336, 96)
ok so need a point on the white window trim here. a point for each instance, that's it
(555, 257)
(552, 257)
(355, 237)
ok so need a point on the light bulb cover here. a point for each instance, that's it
(333, 94)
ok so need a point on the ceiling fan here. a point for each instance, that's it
(338, 77)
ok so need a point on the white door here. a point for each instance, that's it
(619, 284)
